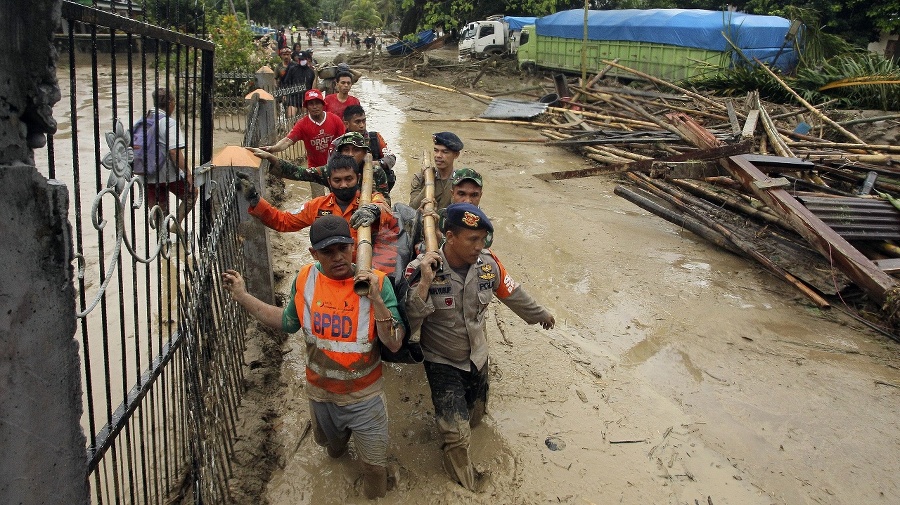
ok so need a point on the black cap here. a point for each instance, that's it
(448, 140)
(466, 215)
(328, 230)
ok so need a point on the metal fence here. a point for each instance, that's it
(160, 342)
(232, 109)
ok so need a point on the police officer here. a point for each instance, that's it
(450, 290)
(447, 147)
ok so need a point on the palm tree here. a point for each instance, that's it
(362, 15)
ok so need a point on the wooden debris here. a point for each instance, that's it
(736, 173)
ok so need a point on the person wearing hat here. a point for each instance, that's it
(351, 144)
(282, 68)
(447, 147)
(382, 156)
(317, 129)
(344, 380)
(342, 179)
(450, 290)
(303, 75)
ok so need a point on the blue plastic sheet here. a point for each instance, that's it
(757, 36)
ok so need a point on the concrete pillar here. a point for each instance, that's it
(265, 78)
(43, 446)
(266, 118)
(256, 245)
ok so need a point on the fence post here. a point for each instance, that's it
(265, 78)
(256, 246)
(43, 444)
(264, 122)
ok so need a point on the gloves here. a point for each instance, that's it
(246, 186)
(365, 215)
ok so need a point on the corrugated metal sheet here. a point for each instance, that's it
(857, 218)
(512, 109)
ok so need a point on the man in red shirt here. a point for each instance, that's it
(316, 130)
(337, 102)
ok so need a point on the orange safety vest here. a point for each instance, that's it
(339, 327)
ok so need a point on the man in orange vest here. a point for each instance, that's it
(343, 361)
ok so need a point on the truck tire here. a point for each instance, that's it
(529, 67)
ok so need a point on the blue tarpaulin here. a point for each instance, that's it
(517, 22)
(756, 36)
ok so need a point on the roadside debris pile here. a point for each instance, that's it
(795, 191)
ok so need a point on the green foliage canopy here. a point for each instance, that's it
(234, 44)
(362, 15)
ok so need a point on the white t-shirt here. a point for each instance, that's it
(173, 138)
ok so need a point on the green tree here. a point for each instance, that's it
(234, 44)
(362, 15)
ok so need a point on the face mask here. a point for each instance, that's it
(344, 194)
(302, 63)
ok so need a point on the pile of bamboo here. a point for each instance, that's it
(812, 204)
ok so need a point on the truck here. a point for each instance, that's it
(493, 36)
(670, 44)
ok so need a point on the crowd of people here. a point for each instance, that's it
(420, 306)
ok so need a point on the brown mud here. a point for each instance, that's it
(677, 372)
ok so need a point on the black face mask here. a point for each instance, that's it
(344, 194)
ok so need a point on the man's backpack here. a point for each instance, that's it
(149, 152)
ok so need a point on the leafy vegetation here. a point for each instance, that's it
(234, 44)
(362, 15)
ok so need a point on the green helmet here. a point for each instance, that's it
(355, 139)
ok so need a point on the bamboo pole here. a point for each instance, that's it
(650, 78)
(749, 249)
(810, 107)
(500, 121)
(846, 145)
(364, 233)
(429, 225)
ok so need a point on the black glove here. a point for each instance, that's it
(246, 186)
(365, 215)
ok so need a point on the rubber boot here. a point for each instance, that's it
(456, 463)
(374, 481)
(477, 413)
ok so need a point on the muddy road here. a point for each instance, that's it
(677, 373)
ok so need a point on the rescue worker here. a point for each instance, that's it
(355, 121)
(351, 144)
(450, 290)
(447, 147)
(342, 179)
(343, 365)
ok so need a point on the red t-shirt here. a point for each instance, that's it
(336, 107)
(317, 137)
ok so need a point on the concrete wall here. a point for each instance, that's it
(43, 457)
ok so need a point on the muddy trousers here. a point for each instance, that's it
(367, 421)
(460, 400)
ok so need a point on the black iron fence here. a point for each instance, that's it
(232, 109)
(160, 345)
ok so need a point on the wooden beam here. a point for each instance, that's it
(860, 269)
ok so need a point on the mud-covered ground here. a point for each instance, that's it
(677, 373)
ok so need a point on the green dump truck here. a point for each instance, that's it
(671, 44)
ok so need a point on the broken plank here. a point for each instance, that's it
(889, 265)
(750, 124)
